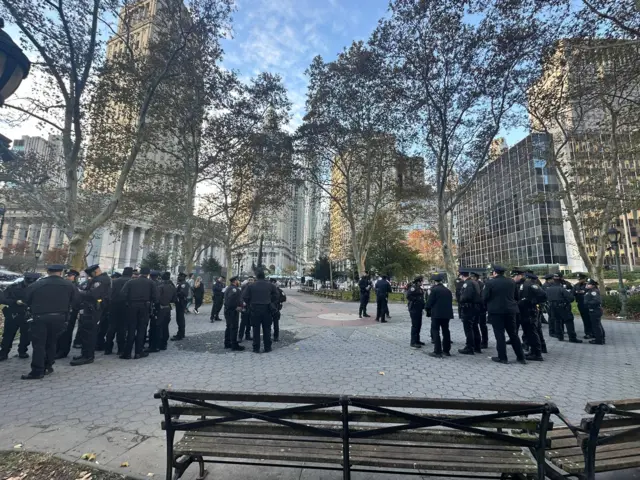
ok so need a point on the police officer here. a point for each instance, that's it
(383, 289)
(276, 315)
(49, 301)
(245, 322)
(440, 308)
(159, 337)
(97, 289)
(415, 304)
(529, 295)
(548, 280)
(182, 293)
(579, 292)
(365, 294)
(539, 309)
(499, 295)
(593, 302)
(232, 308)
(16, 316)
(468, 300)
(218, 299)
(261, 298)
(64, 340)
(481, 312)
(560, 299)
(118, 322)
(138, 294)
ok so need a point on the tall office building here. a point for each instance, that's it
(44, 152)
(505, 218)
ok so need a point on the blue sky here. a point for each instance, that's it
(283, 36)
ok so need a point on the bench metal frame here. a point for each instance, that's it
(464, 424)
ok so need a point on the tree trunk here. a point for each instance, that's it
(77, 246)
(188, 246)
(229, 258)
(447, 252)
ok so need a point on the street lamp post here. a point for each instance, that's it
(3, 210)
(14, 65)
(37, 254)
(239, 256)
(614, 239)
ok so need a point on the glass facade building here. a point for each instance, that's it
(509, 216)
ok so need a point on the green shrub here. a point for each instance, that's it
(611, 304)
(633, 306)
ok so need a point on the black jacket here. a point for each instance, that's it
(415, 297)
(232, 298)
(579, 292)
(530, 294)
(166, 293)
(383, 289)
(182, 292)
(261, 292)
(13, 293)
(365, 286)
(98, 289)
(217, 289)
(440, 302)
(140, 290)
(499, 295)
(198, 292)
(558, 294)
(593, 302)
(470, 293)
(116, 288)
(52, 294)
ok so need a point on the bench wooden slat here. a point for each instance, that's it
(611, 421)
(628, 404)
(575, 450)
(605, 455)
(601, 466)
(394, 402)
(355, 417)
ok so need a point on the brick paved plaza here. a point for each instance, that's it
(108, 408)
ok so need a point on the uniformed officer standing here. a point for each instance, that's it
(560, 299)
(182, 293)
(261, 298)
(499, 295)
(139, 294)
(481, 312)
(98, 288)
(383, 289)
(579, 292)
(166, 296)
(232, 308)
(551, 319)
(276, 315)
(16, 316)
(64, 340)
(593, 302)
(440, 308)
(365, 294)
(468, 301)
(118, 322)
(529, 296)
(245, 322)
(218, 299)
(50, 301)
(415, 304)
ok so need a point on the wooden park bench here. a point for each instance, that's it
(490, 439)
(608, 440)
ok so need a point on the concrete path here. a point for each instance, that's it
(107, 408)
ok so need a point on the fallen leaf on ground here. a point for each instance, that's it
(85, 476)
(150, 474)
(89, 456)
(380, 373)
(547, 397)
(19, 445)
(124, 464)
(21, 477)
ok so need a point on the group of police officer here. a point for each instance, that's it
(509, 303)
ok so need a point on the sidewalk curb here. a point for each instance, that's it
(71, 459)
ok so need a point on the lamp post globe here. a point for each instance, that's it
(14, 65)
(614, 235)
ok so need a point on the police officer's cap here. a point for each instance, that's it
(31, 276)
(464, 271)
(116, 275)
(72, 272)
(127, 271)
(55, 268)
(560, 274)
(499, 269)
(418, 279)
(135, 270)
(145, 271)
(531, 275)
(89, 270)
(154, 273)
(476, 273)
(272, 280)
(581, 275)
(437, 277)
(233, 279)
(166, 276)
(557, 276)
(517, 271)
(548, 276)
(591, 281)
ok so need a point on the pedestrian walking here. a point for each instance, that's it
(198, 294)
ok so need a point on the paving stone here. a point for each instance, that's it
(108, 445)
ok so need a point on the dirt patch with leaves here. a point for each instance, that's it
(38, 466)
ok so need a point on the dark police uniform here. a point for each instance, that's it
(139, 294)
(530, 295)
(551, 319)
(383, 289)
(166, 296)
(118, 312)
(415, 304)
(50, 301)
(560, 298)
(468, 301)
(593, 302)
(261, 298)
(365, 295)
(440, 308)
(16, 317)
(245, 321)
(481, 313)
(218, 299)
(96, 291)
(182, 293)
(579, 292)
(64, 339)
(499, 295)
(232, 304)
(276, 315)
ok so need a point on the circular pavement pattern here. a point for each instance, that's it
(340, 317)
